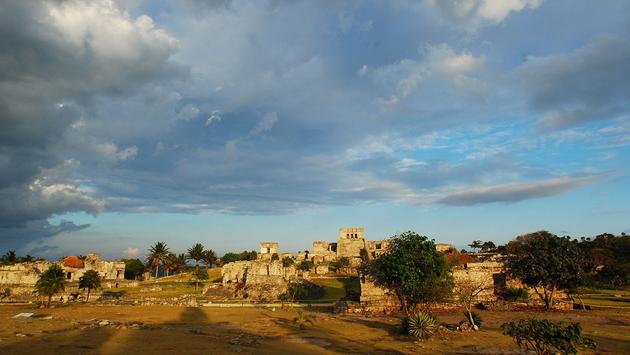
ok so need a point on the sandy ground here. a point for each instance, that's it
(187, 330)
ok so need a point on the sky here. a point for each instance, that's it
(230, 122)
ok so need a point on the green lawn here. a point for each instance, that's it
(337, 288)
(605, 297)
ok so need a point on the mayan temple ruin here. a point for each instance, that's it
(18, 279)
(266, 277)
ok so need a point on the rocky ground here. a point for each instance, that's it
(110, 329)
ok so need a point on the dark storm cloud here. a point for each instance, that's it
(56, 58)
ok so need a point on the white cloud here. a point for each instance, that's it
(111, 152)
(472, 14)
(131, 253)
(265, 124)
(215, 116)
(439, 62)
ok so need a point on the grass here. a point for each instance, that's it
(336, 289)
(605, 297)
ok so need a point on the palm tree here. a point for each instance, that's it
(209, 258)
(196, 253)
(90, 280)
(170, 263)
(180, 262)
(158, 253)
(10, 257)
(50, 282)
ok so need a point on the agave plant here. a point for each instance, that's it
(421, 325)
(302, 319)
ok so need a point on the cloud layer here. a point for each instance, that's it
(273, 107)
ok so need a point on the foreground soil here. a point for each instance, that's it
(188, 330)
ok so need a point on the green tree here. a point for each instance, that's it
(209, 258)
(488, 246)
(306, 265)
(157, 254)
(133, 268)
(90, 280)
(413, 269)
(547, 263)
(287, 261)
(196, 253)
(180, 262)
(230, 258)
(50, 282)
(275, 257)
(10, 257)
(170, 263)
(476, 245)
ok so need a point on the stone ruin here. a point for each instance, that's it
(17, 280)
(265, 278)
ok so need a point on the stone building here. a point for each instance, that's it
(19, 279)
(73, 268)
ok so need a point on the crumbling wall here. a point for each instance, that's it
(261, 280)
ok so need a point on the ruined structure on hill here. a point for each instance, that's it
(18, 279)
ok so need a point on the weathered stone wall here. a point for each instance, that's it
(28, 273)
(268, 247)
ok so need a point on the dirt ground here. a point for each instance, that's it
(191, 330)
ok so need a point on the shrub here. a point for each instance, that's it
(287, 261)
(545, 336)
(516, 294)
(421, 325)
(306, 265)
(275, 256)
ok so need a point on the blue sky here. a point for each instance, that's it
(232, 122)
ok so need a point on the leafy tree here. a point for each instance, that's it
(546, 263)
(209, 258)
(287, 261)
(230, 258)
(306, 265)
(476, 244)
(50, 282)
(607, 260)
(133, 268)
(546, 337)
(413, 269)
(248, 255)
(91, 280)
(157, 254)
(488, 246)
(275, 256)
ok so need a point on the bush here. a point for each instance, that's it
(421, 325)
(306, 265)
(287, 261)
(516, 294)
(275, 257)
(545, 336)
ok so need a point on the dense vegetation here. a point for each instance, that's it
(413, 269)
(546, 337)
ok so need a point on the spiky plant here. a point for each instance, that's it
(421, 325)
(301, 319)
